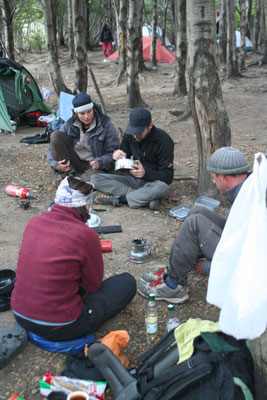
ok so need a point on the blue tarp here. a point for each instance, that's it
(65, 107)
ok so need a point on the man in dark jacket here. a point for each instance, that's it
(200, 233)
(152, 150)
(85, 143)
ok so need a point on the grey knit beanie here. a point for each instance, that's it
(228, 161)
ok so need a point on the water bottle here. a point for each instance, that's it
(50, 205)
(151, 318)
(172, 320)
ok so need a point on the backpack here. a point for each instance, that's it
(221, 368)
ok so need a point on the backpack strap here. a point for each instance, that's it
(156, 352)
(179, 376)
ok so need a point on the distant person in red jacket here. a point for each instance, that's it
(59, 291)
(106, 39)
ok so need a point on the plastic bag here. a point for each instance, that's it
(237, 282)
(115, 341)
(47, 118)
(46, 93)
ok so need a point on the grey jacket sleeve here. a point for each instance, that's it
(50, 160)
(111, 143)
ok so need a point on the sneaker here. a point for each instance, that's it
(106, 199)
(154, 274)
(178, 295)
(154, 205)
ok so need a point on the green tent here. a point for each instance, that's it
(5, 123)
(20, 94)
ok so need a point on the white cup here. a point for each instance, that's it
(79, 395)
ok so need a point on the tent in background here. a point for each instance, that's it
(21, 94)
(5, 123)
(249, 45)
(162, 53)
(147, 31)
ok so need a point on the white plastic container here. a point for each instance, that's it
(207, 202)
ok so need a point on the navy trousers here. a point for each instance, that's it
(114, 295)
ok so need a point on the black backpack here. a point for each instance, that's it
(221, 368)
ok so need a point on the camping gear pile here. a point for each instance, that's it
(21, 99)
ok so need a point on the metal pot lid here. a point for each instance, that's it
(94, 221)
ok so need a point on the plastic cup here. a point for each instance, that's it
(79, 395)
(106, 246)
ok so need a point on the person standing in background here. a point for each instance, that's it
(106, 40)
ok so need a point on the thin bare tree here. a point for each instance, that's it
(208, 110)
(181, 50)
(70, 31)
(120, 7)
(232, 58)
(57, 78)
(8, 8)
(243, 25)
(154, 33)
(81, 72)
(134, 37)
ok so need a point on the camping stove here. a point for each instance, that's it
(139, 252)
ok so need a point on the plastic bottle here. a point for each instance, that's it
(151, 318)
(18, 191)
(172, 320)
(50, 205)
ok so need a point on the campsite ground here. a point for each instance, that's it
(25, 165)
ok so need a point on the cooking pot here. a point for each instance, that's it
(7, 281)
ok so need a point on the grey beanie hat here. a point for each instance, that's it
(228, 161)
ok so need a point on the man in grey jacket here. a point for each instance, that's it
(85, 143)
(200, 233)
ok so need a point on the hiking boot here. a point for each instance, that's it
(154, 274)
(106, 199)
(154, 205)
(178, 295)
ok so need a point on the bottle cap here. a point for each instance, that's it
(170, 307)
(151, 296)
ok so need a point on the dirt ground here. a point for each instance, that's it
(25, 165)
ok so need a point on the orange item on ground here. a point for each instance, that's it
(115, 341)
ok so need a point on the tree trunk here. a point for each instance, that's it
(210, 117)
(181, 50)
(70, 31)
(154, 33)
(259, 348)
(164, 21)
(256, 27)
(243, 25)
(81, 73)
(134, 98)
(222, 32)
(141, 62)
(264, 60)
(121, 21)
(232, 59)
(8, 25)
(58, 81)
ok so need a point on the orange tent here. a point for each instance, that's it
(162, 53)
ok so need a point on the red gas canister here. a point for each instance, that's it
(18, 191)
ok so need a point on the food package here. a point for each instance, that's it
(51, 383)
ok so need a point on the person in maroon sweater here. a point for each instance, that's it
(59, 292)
